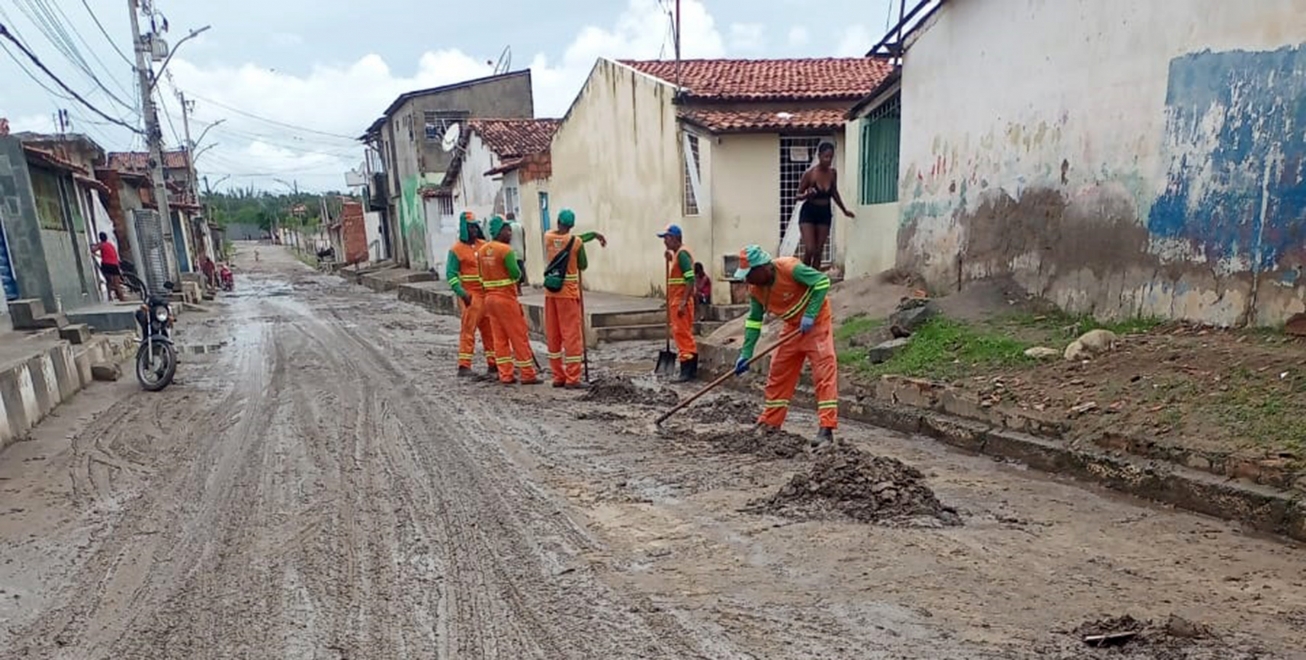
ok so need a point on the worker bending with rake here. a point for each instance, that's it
(463, 271)
(564, 325)
(500, 274)
(680, 301)
(796, 292)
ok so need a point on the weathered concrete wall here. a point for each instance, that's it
(1122, 158)
(617, 165)
(418, 160)
(22, 230)
(476, 192)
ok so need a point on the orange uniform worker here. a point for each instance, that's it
(796, 293)
(499, 276)
(463, 272)
(680, 301)
(564, 328)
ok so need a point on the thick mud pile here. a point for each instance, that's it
(845, 481)
(726, 409)
(777, 444)
(620, 390)
(1174, 639)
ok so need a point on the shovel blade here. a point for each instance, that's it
(667, 364)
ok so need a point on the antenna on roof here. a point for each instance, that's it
(505, 61)
(677, 31)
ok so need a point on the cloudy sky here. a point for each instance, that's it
(294, 81)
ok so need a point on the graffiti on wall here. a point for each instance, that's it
(1235, 144)
(412, 222)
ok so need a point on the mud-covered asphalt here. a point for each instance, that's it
(317, 485)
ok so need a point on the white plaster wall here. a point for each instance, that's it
(616, 164)
(372, 220)
(998, 94)
(473, 191)
(745, 202)
(531, 223)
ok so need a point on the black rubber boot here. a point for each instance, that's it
(823, 437)
(465, 372)
(688, 370)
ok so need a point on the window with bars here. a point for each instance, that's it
(690, 158)
(797, 154)
(437, 122)
(445, 204)
(881, 134)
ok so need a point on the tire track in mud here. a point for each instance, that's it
(560, 609)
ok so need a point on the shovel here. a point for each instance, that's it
(667, 361)
(723, 378)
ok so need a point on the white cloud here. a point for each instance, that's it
(344, 100)
(856, 41)
(31, 123)
(747, 37)
(798, 36)
(286, 39)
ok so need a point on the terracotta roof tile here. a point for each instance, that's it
(747, 121)
(137, 161)
(514, 138)
(828, 78)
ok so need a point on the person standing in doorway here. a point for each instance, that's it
(816, 189)
(680, 300)
(564, 328)
(519, 246)
(110, 266)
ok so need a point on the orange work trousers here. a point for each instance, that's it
(474, 319)
(682, 329)
(564, 331)
(512, 342)
(816, 348)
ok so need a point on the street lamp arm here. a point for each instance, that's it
(199, 153)
(164, 66)
(205, 132)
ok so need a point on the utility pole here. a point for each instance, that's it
(153, 134)
(190, 144)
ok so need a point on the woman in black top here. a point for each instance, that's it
(819, 185)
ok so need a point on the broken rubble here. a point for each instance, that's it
(1041, 353)
(884, 352)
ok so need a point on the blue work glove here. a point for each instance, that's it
(741, 365)
(806, 325)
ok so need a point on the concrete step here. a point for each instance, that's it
(621, 319)
(76, 333)
(24, 313)
(723, 313)
(46, 321)
(647, 331)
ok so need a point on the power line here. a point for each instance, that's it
(94, 54)
(105, 32)
(275, 122)
(4, 32)
(52, 28)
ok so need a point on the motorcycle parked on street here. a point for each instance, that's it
(156, 358)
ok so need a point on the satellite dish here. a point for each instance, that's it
(450, 140)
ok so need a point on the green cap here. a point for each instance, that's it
(566, 218)
(749, 258)
(496, 226)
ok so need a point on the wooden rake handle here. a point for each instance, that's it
(724, 377)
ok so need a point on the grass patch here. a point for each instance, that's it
(1059, 321)
(948, 349)
(1267, 412)
(856, 325)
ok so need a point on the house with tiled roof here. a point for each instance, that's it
(716, 146)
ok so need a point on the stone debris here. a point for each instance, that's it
(1042, 353)
(624, 391)
(1091, 343)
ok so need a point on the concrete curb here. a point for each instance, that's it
(33, 387)
(1258, 507)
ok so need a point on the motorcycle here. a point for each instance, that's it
(156, 358)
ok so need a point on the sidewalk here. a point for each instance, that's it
(39, 371)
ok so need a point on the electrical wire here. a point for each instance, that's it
(4, 32)
(105, 32)
(94, 55)
(275, 122)
(52, 28)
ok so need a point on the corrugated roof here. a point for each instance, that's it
(810, 79)
(138, 161)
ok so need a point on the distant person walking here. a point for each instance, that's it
(819, 185)
(110, 266)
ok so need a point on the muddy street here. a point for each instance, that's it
(317, 485)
